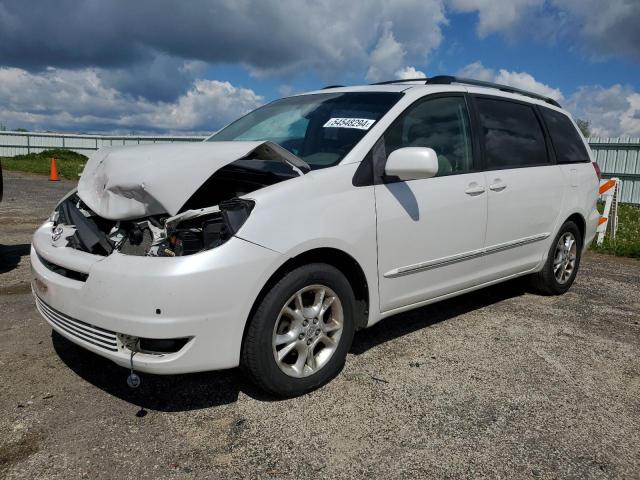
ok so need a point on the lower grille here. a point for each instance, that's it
(97, 336)
(65, 272)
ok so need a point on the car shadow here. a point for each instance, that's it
(166, 393)
(405, 197)
(10, 256)
(408, 322)
(177, 393)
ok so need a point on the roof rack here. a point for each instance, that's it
(390, 82)
(449, 79)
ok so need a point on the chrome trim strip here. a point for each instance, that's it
(439, 262)
(516, 243)
(461, 257)
(75, 328)
(73, 333)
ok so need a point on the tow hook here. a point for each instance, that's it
(133, 380)
(131, 343)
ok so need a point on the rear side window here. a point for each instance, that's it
(512, 134)
(566, 140)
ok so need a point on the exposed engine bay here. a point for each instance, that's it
(211, 215)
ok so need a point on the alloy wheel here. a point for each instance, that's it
(564, 262)
(307, 331)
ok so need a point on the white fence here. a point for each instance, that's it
(20, 143)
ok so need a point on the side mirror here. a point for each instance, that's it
(412, 163)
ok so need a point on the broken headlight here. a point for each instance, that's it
(206, 231)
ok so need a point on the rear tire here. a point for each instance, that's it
(563, 260)
(298, 338)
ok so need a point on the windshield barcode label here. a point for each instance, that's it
(359, 123)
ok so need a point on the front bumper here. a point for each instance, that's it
(206, 297)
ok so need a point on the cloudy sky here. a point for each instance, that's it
(192, 66)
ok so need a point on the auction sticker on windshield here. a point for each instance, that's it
(359, 123)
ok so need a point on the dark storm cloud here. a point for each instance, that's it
(69, 33)
(160, 78)
(120, 64)
(140, 47)
(615, 31)
(280, 36)
(63, 33)
(117, 64)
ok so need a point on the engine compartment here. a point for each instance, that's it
(212, 215)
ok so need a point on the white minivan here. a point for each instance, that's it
(269, 244)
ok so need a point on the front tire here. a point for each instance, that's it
(298, 338)
(562, 263)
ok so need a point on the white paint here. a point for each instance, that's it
(412, 163)
(428, 221)
(132, 182)
(433, 238)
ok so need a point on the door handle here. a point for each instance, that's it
(474, 189)
(498, 186)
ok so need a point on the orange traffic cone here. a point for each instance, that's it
(53, 176)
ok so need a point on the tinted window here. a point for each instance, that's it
(439, 123)
(512, 134)
(321, 128)
(566, 139)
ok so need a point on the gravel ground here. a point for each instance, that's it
(499, 383)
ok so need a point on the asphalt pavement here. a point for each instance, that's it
(499, 383)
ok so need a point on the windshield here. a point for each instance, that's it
(321, 128)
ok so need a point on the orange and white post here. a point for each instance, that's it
(609, 191)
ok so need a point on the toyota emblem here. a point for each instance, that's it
(57, 233)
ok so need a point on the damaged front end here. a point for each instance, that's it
(157, 236)
(211, 214)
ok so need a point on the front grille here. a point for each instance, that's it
(97, 336)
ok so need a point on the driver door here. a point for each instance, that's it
(431, 232)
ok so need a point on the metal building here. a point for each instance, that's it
(620, 157)
(21, 143)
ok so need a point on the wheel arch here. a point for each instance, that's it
(580, 222)
(339, 259)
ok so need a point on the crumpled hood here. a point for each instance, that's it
(123, 183)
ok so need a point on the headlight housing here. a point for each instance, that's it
(206, 231)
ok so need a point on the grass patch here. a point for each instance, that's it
(627, 242)
(68, 163)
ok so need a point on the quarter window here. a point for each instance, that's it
(441, 124)
(512, 134)
(566, 139)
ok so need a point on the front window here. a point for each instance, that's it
(321, 128)
(438, 123)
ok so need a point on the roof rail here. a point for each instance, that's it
(332, 86)
(391, 82)
(449, 79)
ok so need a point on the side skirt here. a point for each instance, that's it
(412, 306)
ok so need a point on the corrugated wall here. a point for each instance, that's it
(620, 157)
(617, 157)
(20, 143)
